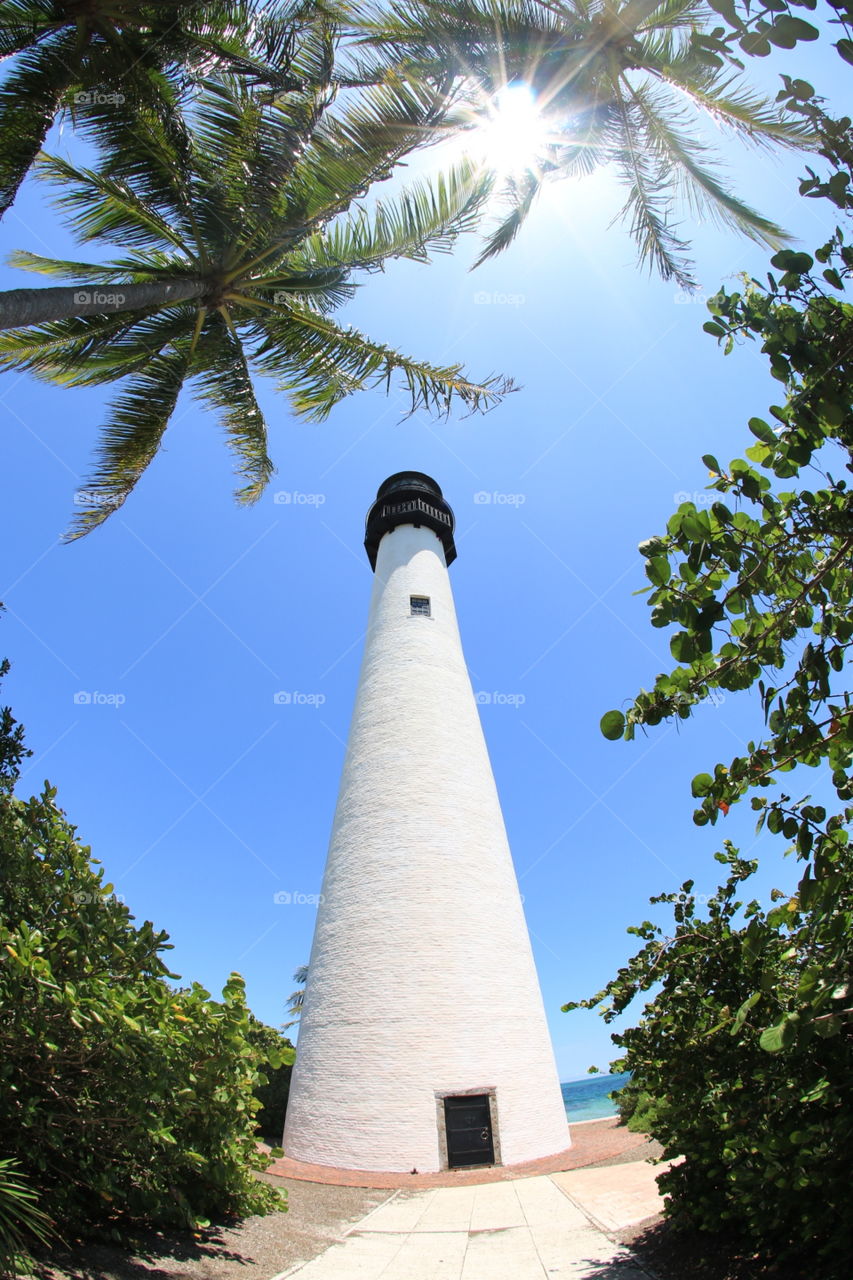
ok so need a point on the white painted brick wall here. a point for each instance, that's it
(421, 976)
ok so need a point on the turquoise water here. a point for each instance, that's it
(587, 1099)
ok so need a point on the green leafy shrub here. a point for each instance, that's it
(767, 1137)
(750, 1038)
(22, 1222)
(126, 1100)
(272, 1094)
(638, 1110)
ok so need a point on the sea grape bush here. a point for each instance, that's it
(765, 1137)
(760, 590)
(272, 1095)
(756, 28)
(748, 1046)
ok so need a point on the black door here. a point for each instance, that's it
(469, 1130)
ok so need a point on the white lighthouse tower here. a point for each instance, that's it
(423, 1042)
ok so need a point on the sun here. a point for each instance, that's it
(512, 135)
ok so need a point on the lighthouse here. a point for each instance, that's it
(423, 1042)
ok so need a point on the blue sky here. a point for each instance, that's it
(204, 797)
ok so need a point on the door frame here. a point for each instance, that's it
(490, 1091)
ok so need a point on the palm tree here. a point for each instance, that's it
(94, 56)
(235, 256)
(620, 82)
(23, 1225)
(296, 999)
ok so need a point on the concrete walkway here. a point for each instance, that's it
(529, 1229)
(617, 1197)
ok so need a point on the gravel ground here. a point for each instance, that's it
(650, 1150)
(256, 1249)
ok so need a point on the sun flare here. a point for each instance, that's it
(513, 135)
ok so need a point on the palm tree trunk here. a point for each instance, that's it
(21, 307)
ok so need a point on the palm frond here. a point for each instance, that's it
(302, 46)
(649, 202)
(318, 364)
(275, 35)
(667, 16)
(131, 437)
(29, 100)
(24, 23)
(110, 272)
(55, 350)
(588, 58)
(352, 150)
(23, 1223)
(258, 43)
(296, 999)
(226, 119)
(152, 265)
(751, 116)
(288, 126)
(142, 140)
(519, 194)
(246, 150)
(428, 216)
(101, 354)
(100, 208)
(322, 288)
(225, 382)
(466, 34)
(701, 186)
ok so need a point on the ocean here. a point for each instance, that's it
(587, 1099)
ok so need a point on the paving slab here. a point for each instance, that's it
(531, 1229)
(496, 1205)
(451, 1211)
(616, 1197)
(583, 1252)
(401, 1213)
(544, 1203)
(510, 1254)
(361, 1256)
(427, 1255)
